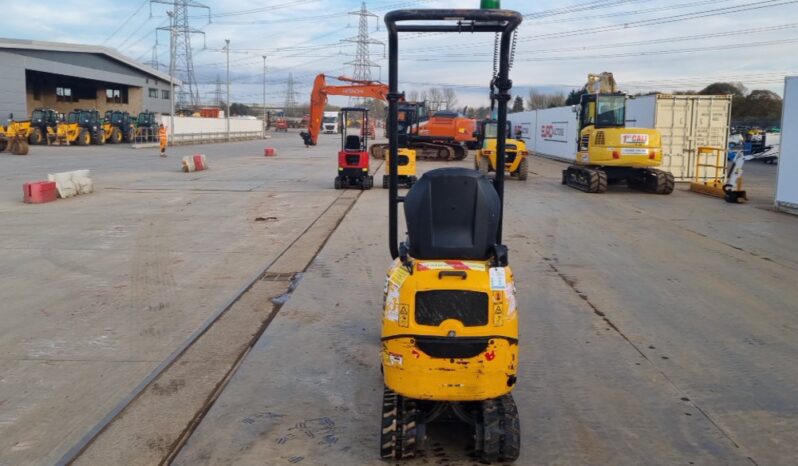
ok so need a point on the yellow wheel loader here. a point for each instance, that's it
(516, 160)
(14, 137)
(122, 127)
(43, 122)
(449, 340)
(608, 151)
(82, 127)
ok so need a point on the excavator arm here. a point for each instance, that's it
(318, 100)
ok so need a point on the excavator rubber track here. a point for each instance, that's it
(589, 180)
(651, 180)
(426, 150)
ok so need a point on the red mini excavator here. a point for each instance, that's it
(353, 159)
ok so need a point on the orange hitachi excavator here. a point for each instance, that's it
(318, 100)
(440, 137)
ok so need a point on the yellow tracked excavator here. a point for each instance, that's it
(608, 151)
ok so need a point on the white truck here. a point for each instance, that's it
(329, 123)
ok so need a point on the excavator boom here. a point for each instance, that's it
(318, 100)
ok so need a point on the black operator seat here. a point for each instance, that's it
(352, 143)
(452, 213)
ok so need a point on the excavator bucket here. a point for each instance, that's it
(18, 145)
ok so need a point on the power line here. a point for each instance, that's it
(251, 11)
(632, 25)
(316, 17)
(614, 45)
(633, 54)
(579, 7)
(675, 6)
(124, 23)
(136, 31)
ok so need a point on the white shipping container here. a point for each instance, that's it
(551, 133)
(686, 122)
(787, 187)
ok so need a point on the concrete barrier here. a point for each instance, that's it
(194, 163)
(69, 184)
(39, 192)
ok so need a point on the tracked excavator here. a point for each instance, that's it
(449, 339)
(442, 136)
(439, 138)
(608, 151)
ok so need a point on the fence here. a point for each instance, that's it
(210, 138)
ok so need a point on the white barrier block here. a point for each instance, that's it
(82, 181)
(72, 183)
(63, 184)
(188, 164)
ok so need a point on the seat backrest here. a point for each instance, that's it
(452, 213)
(352, 143)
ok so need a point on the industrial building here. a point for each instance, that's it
(68, 76)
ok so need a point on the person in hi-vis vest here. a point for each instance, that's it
(164, 139)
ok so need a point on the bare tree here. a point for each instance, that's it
(435, 98)
(538, 100)
(556, 100)
(449, 98)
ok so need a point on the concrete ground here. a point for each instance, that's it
(98, 290)
(654, 330)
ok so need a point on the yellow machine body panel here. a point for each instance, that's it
(464, 351)
(407, 162)
(108, 130)
(25, 128)
(67, 133)
(14, 137)
(515, 152)
(620, 147)
(16, 128)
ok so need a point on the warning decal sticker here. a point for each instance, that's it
(450, 265)
(498, 279)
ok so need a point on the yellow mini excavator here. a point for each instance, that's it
(516, 162)
(608, 151)
(450, 320)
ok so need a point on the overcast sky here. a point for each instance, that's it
(648, 44)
